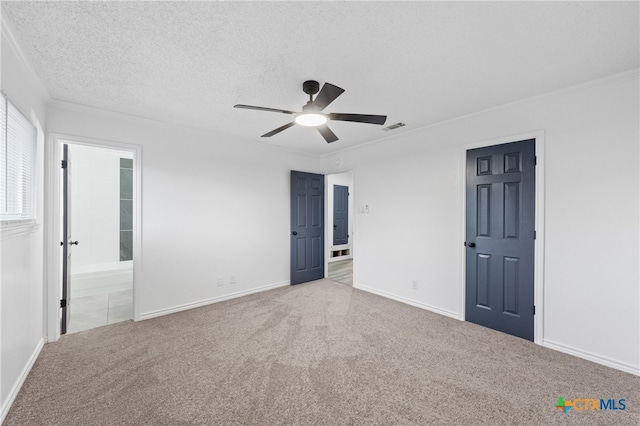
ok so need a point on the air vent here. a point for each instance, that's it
(393, 127)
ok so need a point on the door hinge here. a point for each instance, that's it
(64, 164)
(535, 235)
(534, 309)
(535, 160)
(63, 303)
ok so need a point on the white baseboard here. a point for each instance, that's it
(186, 306)
(339, 258)
(440, 311)
(6, 405)
(598, 359)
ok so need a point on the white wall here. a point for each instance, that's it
(95, 206)
(212, 207)
(21, 250)
(413, 184)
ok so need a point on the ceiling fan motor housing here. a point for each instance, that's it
(310, 87)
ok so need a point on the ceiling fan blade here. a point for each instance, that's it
(327, 94)
(359, 118)
(327, 134)
(278, 130)
(257, 108)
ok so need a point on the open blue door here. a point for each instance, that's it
(307, 227)
(340, 215)
(65, 302)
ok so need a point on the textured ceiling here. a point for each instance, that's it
(417, 62)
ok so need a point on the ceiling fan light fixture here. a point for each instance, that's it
(311, 119)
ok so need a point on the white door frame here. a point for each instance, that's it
(538, 297)
(52, 252)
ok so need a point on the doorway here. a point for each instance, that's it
(307, 227)
(97, 223)
(340, 212)
(500, 237)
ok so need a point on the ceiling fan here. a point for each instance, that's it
(312, 115)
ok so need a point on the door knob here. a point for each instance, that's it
(73, 243)
(472, 245)
(294, 233)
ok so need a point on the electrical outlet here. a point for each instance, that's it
(414, 284)
(232, 280)
(220, 281)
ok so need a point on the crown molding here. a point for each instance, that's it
(146, 121)
(24, 62)
(633, 74)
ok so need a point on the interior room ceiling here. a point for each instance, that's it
(417, 62)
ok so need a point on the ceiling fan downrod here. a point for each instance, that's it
(310, 87)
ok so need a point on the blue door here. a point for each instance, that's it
(340, 215)
(67, 242)
(307, 227)
(500, 237)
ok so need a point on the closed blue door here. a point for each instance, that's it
(500, 237)
(340, 215)
(307, 227)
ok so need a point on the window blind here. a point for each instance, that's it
(18, 152)
(3, 156)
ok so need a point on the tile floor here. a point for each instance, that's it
(341, 271)
(100, 309)
(109, 308)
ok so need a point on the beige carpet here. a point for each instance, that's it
(320, 353)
